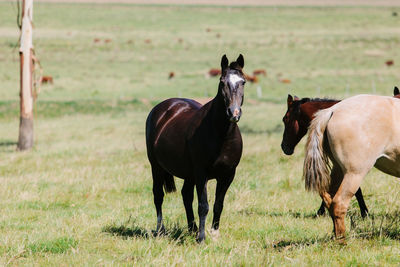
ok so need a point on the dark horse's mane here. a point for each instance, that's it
(304, 100)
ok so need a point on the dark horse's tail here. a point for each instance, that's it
(167, 179)
(169, 183)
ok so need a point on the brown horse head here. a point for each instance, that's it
(295, 126)
(231, 86)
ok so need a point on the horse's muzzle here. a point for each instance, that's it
(235, 119)
(234, 114)
(287, 150)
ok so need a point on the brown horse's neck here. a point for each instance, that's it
(311, 107)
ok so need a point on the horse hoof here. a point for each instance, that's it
(193, 228)
(159, 232)
(341, 240)
(320, 212)
(214, 233)
(201, 238)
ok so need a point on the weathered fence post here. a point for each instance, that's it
(25, 139)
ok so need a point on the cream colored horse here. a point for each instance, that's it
(355, 135)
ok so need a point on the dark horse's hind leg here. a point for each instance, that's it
(222, 187)
(158, 181)
(201, 188)
(361, 204)
(187, 195)
(321, 210)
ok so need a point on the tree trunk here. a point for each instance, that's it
(25, 139)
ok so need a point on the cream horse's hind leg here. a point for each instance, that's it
(336, 180)
(341, 200)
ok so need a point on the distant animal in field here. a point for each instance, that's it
(252, 79)
(46, 79)
(197, 143)
(96, 40)
(171, 75)
(356, 134)
(107, 41)
(260, 72)
(389, 63)
(285, 81)
(214, 72)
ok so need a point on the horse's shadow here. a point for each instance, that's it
(7, 143)
(284, 245)
(174, 232)
(290, 213)
(376, 225)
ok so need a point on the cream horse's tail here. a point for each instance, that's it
(316, 170)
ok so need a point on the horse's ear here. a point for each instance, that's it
(289, 100)
(296, 98)
(240, 61)
(396, 91)
(224, 62)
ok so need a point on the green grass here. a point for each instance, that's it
(56, 246)
(83, 195)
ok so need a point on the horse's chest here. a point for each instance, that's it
(227, 158)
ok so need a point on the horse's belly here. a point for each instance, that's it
(389, 165)
(173, 158)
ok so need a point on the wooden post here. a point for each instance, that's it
(25, 139)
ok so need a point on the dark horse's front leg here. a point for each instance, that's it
(361, 204)
(222, 186)
(201, 188)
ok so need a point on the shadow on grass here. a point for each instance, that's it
(7, 143)
(379, 226)
(376, 225)
(283, 245)
(290, 213)
(7, 146)
(173, 232)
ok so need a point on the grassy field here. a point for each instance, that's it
(83, 195)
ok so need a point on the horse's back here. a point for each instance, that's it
(167, 126)
(364, 114)
(363, 129)
(167, 112)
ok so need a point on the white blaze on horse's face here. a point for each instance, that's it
(234, 78)
(234, 95)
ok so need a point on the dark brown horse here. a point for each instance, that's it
(297, 119)
(197, 143)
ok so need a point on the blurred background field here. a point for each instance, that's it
(83, 195)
